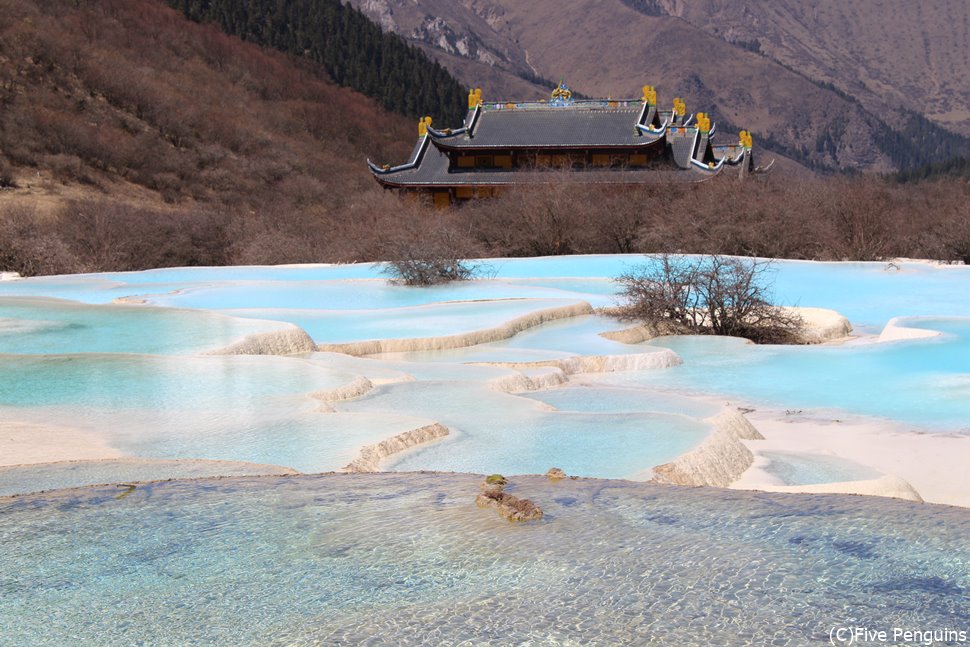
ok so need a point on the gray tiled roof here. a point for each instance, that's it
(574, 126)
(433, 171)
(682, 146)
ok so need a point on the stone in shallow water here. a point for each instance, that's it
(407, 558)
(509, 506)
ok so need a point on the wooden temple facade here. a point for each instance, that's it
(587, 141)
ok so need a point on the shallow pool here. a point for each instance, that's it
(134, 374)
(409, 559)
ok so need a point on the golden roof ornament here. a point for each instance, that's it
(562, 95)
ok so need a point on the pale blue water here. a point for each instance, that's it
(599, 399)
(94, 363)
(409, 559)
(431, 320)
(404, 559)
(497, 432)
(23, 479)
(925, 383)
(555, 339)
(357, 294)
(810, 469)
(45, 326)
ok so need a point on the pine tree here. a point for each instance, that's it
(353, 50)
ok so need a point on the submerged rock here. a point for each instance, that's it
(508, 505)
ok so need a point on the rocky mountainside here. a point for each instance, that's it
(884, 53)
(868, 85)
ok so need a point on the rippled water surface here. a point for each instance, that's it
(134, 375)
(410, 560)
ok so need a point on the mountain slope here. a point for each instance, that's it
(353, 49)
(612, 47)
(132, 101)
(914, 55)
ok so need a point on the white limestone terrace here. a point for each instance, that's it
(476, 360)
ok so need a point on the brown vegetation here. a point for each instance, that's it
(708, 294)
(423, 253)
(131, 138)
(833, 219)
(125, 110)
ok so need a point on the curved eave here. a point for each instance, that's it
(473, 121)
(441, 134)
(707, 168)
(650, 130)
(413, 163)
(388, 182)
(730, 161)
(764, 169)
(643, 113)
(375, 169)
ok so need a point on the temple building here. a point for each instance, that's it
(564, 139)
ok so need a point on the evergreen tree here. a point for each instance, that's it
(352, 48)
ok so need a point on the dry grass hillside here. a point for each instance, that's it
(126, 101)
(832, 103)
(132, 138)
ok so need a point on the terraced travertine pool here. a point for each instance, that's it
(122, 367)
(133, 374)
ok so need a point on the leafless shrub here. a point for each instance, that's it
(30, 246)
(716, 295)
(429, 259)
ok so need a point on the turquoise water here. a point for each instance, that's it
(400, 559)
(431, 320)
(117, 381)
(925, 383)
(111, 368)
(236, 408)
(409, 559)
(497, 432)
(46, 326)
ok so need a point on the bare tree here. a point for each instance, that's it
(716, 295)
(429, 259)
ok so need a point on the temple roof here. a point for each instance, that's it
(680, 151)
(581, 125)
(432, 170)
